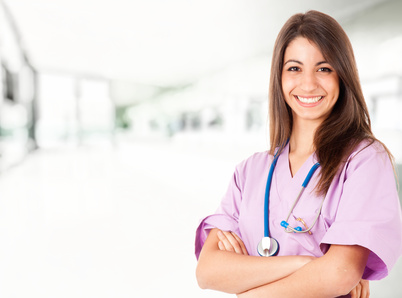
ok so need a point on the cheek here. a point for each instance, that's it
(287, 85)
(335, 90)
(334, 85)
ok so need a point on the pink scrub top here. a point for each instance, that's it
(361, 207)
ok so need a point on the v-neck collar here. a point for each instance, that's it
(287, 186)
(301, 173)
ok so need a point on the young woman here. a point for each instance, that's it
(344, 225)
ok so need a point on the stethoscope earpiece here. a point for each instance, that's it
(267, 247)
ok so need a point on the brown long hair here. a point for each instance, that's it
(349, 122)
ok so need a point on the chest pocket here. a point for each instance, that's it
(307, 214)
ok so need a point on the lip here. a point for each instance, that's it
(308, 105)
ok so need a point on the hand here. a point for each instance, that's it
(362, 290)
(229, 241)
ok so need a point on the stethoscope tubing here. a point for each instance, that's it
(304, 185)
(285, 224)
(267, 191)
(269, 246)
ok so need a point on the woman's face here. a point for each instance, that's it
(309, 83)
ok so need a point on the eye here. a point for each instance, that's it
(325, 69)
(293, 68)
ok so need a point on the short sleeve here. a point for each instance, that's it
(225, 218)
(369, 211)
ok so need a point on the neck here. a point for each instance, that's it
(302, 139)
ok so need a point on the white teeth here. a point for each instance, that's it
(309, 99)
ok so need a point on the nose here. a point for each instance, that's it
(308, 81)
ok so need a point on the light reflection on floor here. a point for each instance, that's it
(113, 222)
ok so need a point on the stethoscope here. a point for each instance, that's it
(269, 246)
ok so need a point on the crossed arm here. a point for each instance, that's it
(224, 265)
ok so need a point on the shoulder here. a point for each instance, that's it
(371, 156)
(257, 160)
(254, 166)
(369, 150)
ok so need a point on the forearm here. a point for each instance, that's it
(235, 273)
(306, 282)
(332, 275)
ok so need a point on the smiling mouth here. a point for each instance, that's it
(309, 99)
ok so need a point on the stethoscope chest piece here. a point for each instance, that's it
(267, 247)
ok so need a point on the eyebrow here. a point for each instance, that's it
(298, 62)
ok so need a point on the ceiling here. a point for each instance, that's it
(156, 42)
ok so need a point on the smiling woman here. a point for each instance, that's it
(329, 179)
(310, 84)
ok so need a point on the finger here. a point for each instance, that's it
(221, 246)
(232, 240)
(353, 293)
(225, 241)
(243, 247)
(358, 290)
(365, 292)
(241, 243)
(235, 244)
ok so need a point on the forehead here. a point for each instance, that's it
(301, 49)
